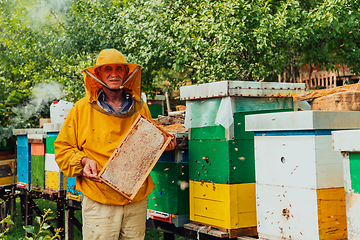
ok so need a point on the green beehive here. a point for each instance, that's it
(50, 139)
(37, 172)
(242, 106)
(156, 105)
(222, 161)
(171, 193)
(220, 151)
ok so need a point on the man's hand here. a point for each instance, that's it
(90, 169)
(171, 145)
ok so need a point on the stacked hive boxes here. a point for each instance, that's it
(7, 164)
(348, 142)
(169, 201)
(37, 161)
(55, 180)
(299, 178)
(221, 153)
(23, 149)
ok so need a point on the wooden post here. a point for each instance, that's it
(69, 226)
(167, 102)
(60, 218)
(28, 212)
(2, 214)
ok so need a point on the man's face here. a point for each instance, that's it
(112, 75)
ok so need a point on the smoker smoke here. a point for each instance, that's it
(39, 13)
(41, 95)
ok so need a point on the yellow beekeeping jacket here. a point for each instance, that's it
(88, 132)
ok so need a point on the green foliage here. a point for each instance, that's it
(42, 232)
(43, 41)
(7, 221)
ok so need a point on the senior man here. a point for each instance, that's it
(91, 132)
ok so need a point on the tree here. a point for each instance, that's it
(203, 40)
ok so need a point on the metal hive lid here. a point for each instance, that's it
(240, 89)
(302, 120)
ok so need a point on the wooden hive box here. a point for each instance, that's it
(299, 178)
(171, 193)
(71, 192)
(224, 153)
(25, 138)
(7, 170)
(229, 207)
(131, 163)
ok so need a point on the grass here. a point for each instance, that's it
(16, 231)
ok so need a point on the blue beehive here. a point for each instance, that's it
(23, 149)
(71, 192)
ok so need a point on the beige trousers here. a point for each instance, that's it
(110, 222)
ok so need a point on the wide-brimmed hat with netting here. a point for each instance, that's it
(112, 56)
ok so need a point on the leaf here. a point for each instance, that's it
(3, 142)
(29, 229)
(45, 226)
(38, 219)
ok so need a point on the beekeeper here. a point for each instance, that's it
(91, 132)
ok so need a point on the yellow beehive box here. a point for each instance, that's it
(55, 180)
(7, 172)
(229, 206)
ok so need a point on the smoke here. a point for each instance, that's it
(41, 95)
(39, 13)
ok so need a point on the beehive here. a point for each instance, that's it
(7, 171)
(37, 165)
(55, 180)
(229, 206)
(220, 151)
(299, 178)
(131, 163)
(71, 192)
(348, 142)
(171, 193)
(156, 105)
(23, 157)
(222, 161)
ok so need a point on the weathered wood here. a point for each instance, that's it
(131, 163)
(324, 92)
(343, 101)
(246, 238)
(220, 232)
(206, 230)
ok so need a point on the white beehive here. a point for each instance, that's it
(299, 178)
(59, 110)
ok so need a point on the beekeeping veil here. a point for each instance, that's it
(131, 84)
